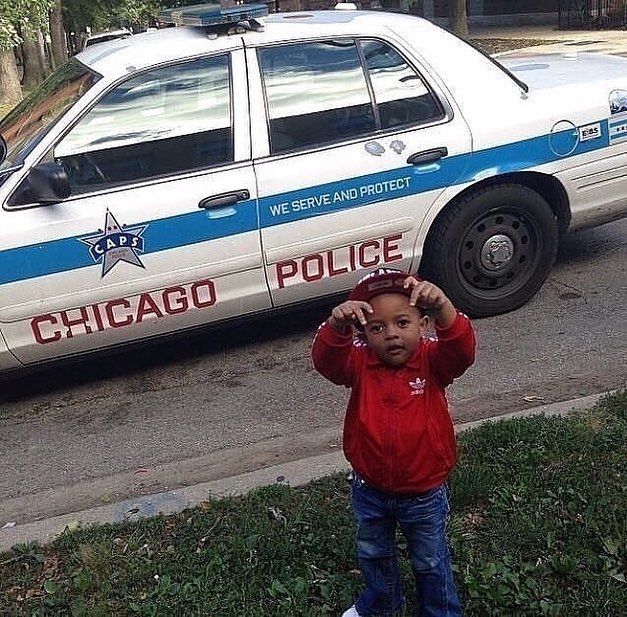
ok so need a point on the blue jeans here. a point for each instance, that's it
(422, 519)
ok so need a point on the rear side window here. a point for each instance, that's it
(401, 96)
(316, 93)
(322, 92)
(165, 121)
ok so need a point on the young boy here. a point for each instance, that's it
(398, 434)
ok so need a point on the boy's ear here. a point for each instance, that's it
(422, 314)
(425, 318)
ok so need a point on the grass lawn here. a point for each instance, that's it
(538, 529)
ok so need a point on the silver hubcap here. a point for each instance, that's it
(497, 252)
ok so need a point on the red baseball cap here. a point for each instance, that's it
(381, 281)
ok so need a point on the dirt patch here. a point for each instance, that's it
(495, 46)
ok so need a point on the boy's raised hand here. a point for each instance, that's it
(429, 297)
(425, 295)
(345, 314)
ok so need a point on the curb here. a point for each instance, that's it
(294, 473)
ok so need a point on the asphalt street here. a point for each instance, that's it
(213, 405)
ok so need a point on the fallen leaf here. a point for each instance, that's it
(51, 566)
(278, 516)
(51, 587)
(532, 398)
(9, 525)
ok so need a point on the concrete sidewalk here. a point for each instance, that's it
(562, 41)
(294, 473)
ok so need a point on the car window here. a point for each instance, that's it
(164, 121)
(316, 93)
(401, 95)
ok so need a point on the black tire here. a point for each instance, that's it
(492, 250)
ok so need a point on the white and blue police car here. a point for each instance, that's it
(244, 162)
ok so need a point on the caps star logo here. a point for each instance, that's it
(116, 243)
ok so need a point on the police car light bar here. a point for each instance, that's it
(212, 14)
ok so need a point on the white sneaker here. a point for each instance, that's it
(351, 612)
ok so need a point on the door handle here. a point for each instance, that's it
(224, 200)
(427, 156)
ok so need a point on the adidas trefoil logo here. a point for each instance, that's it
(417, 386)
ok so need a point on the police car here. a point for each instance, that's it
(241, 163)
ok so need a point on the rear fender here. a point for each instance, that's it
(546, 185)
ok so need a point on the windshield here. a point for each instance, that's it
(25, 126)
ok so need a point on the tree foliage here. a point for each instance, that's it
(103, 14)
(19, 17)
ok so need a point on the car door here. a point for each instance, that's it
(353, 147)
(160, 231)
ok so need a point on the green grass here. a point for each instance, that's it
(538, 529)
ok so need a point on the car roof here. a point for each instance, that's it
(116, 58)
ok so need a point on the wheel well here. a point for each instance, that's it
(548, 186)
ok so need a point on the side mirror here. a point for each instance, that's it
(3, 149)
(46, 183)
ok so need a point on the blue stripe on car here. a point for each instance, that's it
(65, 254)
(27, 262)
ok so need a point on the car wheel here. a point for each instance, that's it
(493, 249)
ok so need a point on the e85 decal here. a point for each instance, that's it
(590, 131)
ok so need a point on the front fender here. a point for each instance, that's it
(7, 360)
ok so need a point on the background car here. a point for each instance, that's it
(201, 174)
(103, 37)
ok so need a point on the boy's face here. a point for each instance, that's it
(394, 328)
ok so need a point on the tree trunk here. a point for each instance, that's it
(458, 17)
(57, 35)
(33, 70)
(44, 53)
(10, 89)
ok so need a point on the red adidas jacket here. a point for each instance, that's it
(398, 433)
